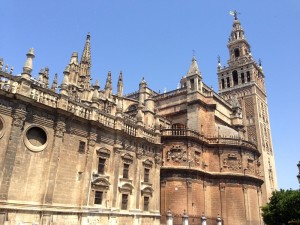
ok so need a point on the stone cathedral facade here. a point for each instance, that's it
(77, 154)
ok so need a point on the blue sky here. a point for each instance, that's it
(155, 39)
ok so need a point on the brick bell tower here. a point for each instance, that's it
(245, 79)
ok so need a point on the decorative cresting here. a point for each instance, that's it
(2, 127)
(177, 154)
(35, 138)
(60, 127)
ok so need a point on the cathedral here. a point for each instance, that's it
(75, 154)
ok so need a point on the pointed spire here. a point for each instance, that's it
(41, 76)
(27, 68)
(120, 85)
(74, 58)
(54, 83)
(86, 54)
(194, 69)
(65, 82)
(85, 64)
(108, 86)
(46, 76)
(1, 63)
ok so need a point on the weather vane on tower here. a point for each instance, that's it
(234, 13)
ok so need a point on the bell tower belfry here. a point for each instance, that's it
(245, 78)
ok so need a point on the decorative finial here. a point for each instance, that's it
(259, 62)
(27, 68)
(88, 36)
(219, 59)
(234, 13)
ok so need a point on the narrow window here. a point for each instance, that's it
(124, 201)
(81, 148)
(235, 78)
(125, 170)
(146, 203)
(101, 166)
(223, 84)
(248, 76)
(236, 52)
(243, 78)
(98, 197)
(146, 174)
(228, 82)
(192, 84)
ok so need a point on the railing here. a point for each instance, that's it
(209, 140)
(8, 83)
(170, 93)
(180, 132)
(149, 135)
(193, 220)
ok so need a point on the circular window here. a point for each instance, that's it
(35, 139)
(1, 127)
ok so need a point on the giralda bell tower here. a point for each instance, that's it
(244, 79)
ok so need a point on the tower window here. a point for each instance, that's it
(223, 84)
(192, 84)
(236, 52)
(146, 174)
(125, 170)
(101, 165)
(98, 197)
(124, 201)
(235, 77)
(248, 76)
(243, 78)
(228, 82)
(146, 203)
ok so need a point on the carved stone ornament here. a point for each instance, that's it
(18, 120)
(158, 159)
(147, 191)
(232, 162)
(127, 158)
(177, 154)
(103, 152)
(126, 187)
(139, 152)
(92, 139)
(60, 127)
(100, 183)
(148, 163)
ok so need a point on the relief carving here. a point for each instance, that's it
(177, 154)
(232, 162)
(60, 127)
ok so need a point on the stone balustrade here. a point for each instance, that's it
(215, 140)
(39, 93)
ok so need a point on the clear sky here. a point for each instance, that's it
(155, 39)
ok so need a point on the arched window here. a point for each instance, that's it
(236, 52)
(235, 77)
(223, 84)
(248, 76)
